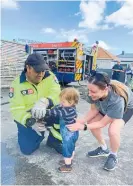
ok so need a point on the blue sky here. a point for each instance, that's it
(111, 23)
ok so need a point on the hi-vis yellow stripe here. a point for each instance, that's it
(17, 108)
(75, 44)
(23, 121)
(78, 77)
(57, 126)
(78, 64)
(56, 134)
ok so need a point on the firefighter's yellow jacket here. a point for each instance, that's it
(23, 95)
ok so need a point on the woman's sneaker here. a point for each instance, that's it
(98, 152)
(111, 162)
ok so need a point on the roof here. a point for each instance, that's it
(12, 42)
(125, 55)
(104, 54)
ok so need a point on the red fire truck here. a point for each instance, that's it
(69, 61)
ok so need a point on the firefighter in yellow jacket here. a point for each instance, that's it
(34, 91)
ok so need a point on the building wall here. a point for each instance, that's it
(126, 59)
(126, 63)
(106, 66)
(13, 56)
(105, 63)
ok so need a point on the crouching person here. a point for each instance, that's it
(26, 94)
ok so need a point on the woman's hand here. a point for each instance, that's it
(81, 121)
(76, 126)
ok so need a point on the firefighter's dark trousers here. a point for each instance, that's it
(29, 140)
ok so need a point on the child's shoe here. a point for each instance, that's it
(65, 168)
(62, 162)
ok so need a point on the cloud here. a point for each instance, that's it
(70, 35)
(92, 14)
(120, 1)
(81, 34)
(123, 16)
(67, 35)
(9, 4)
(77, 14)
(106, 46)
(105, 27)
(48, 31)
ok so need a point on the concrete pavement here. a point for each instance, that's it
(40, 168)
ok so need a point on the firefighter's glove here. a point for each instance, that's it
(39, 109)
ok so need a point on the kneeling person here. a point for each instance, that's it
(35, 84)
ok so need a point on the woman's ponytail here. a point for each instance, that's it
(120, 89)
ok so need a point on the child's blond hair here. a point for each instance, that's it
(70, 94)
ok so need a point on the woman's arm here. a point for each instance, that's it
(89, 115)
(100, 124)
(95, 125)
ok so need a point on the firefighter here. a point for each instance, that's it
(31, 93)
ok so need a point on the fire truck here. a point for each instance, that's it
(69, 61)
